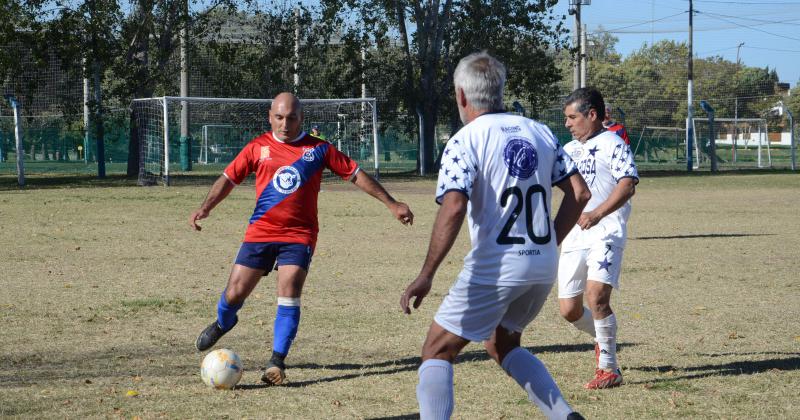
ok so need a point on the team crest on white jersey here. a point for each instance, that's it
(286, 179)
(308, 154)
(520, 157)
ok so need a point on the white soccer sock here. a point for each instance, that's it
(531, 374)
(607, 340)
(585, 323)
(435, 390)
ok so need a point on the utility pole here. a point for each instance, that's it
(579, 75)
(296, 49)
(576, 10)
(185, 140)
(86, 127)
(689, 111)
(738, 47)
(584, 57)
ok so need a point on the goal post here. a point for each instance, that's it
(225, 125)
(746, 138)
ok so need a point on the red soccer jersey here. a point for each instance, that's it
(619, 130)
(288, 177)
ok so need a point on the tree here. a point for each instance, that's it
(434, 35)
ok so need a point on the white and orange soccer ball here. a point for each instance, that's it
(221, 369)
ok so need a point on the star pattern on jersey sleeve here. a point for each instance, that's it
(457, 170)
(563, 165)
(622, 164)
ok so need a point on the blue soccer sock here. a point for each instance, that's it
(287, 319)
(435, 389)
(226, 313)
(532, 375)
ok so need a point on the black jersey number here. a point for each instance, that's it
(519, 205)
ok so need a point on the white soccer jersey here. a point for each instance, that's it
(603, 161)
(506, 165)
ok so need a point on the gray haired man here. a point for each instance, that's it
(504, 166)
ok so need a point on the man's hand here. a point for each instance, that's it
(196, 215)
(418, 289)
(402, 213)
(589, 219)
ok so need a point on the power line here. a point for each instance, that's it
(770, 49)
(647, 22)
(797, 3)
(770, 22)
(717, 50)
(749, 27)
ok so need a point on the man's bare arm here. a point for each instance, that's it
(372, 187)
(445, 231)
(625, 189)
(221, 188)
(576, 195)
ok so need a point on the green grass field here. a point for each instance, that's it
(105, 288)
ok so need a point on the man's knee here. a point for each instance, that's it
(442, 344)
(241, 282)
(570, 309)
(598, 298)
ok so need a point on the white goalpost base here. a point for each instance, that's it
(222, 126)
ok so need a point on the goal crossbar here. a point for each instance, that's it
(165, 103)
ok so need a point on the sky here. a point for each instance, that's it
(768, 28)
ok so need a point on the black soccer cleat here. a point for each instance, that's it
(275, 373)
(211, 335)
(575, 416)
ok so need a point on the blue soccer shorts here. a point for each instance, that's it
(271, 255)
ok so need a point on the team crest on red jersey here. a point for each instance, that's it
(308, 154)
(286, 180)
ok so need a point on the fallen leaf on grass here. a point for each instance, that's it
(132, 393)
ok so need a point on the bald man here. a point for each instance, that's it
(282, 231)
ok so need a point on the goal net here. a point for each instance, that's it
(740, 141)
(218, 128)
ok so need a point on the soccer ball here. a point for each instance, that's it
(221, 369)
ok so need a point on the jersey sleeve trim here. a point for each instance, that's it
(352, 177)
(229, 179)
(634, 177)
(440, 197)
(569, 174)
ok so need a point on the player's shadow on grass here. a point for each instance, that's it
(407, 364)
(702, 235)
(746, 367)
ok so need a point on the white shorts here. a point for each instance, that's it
(473, 311)
(602, 263)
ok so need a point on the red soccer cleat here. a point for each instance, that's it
(604, 379)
